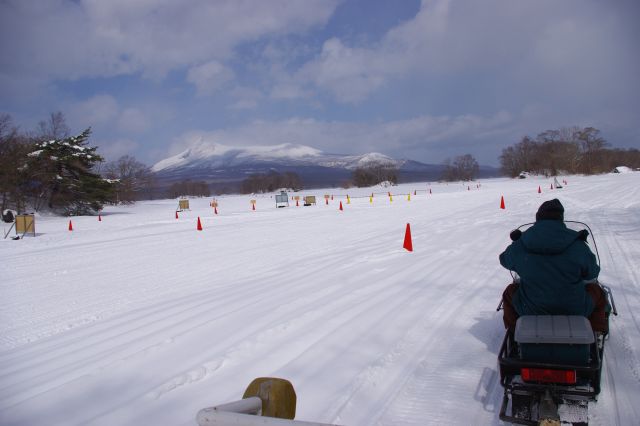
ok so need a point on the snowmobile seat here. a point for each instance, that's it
(564, 339)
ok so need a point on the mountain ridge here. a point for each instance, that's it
(226, 166)
(217, 155)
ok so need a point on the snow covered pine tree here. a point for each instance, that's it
(62, 176)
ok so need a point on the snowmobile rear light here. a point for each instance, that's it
(548, 376)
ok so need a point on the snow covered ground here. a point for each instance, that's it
(141, 319)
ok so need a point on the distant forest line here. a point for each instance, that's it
(571, 150)
(48, 168)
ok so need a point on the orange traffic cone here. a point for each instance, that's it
(70, 226)
(340, 205)
(408, 245)
(502, 202)
(199, 227)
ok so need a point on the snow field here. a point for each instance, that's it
(141, 319)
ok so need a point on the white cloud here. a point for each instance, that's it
(103, 112)
(350, 74)
(133, 120)
(569, 46)
(424, 134)
(113, 149)
(289, 91)
(209, 77)
(96, 111)
(67, 39)
(246, 98)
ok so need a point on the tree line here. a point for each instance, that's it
(48, 168)
(567, 150)
(269, 182)
(463, 167)
(375, 173)
(189, 187)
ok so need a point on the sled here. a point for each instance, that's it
(550, 369)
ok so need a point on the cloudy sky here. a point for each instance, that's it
(422, 80)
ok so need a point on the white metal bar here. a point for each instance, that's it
(251, 405)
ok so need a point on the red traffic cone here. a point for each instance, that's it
(340, 205)
(99, 218)
(408, 245)
(70, 226)
(502, 202)
(176, 214)
(215, 210)
(539, 190)
(199, 226)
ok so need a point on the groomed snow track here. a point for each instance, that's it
(141, 319)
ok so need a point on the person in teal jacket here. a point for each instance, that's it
(558, 272)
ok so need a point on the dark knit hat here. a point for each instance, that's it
(550, 210)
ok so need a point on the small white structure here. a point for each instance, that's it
(622, 169)
(282, 199)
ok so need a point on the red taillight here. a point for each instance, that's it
(548, 376)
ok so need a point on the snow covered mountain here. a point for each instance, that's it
(216, 156)
(220, 164)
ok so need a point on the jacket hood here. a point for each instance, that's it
(548, 237)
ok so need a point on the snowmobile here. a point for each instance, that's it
(550, 367)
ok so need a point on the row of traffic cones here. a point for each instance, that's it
(540, 189)
(408, 232)
(71, 223)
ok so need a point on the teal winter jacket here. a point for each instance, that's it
(553, 263)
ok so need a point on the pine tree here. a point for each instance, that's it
(62, 176)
